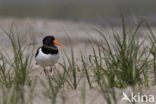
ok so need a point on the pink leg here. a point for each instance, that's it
(45, 72)
(51, 70)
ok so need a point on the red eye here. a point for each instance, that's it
(49, 38)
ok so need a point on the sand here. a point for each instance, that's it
(71, 34)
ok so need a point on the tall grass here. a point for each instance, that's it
(54, 84)
(152, 39)
(124, 59)
(71, 69)
(86, 70)
(118, 63)
(102, 77)
(15, 71)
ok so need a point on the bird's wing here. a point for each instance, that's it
(37, 51)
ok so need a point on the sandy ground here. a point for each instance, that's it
(71, 34)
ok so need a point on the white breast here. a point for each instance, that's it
(46, 59)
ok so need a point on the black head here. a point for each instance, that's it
(48, 45)
(48, 40)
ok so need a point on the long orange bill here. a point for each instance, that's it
(57, 43)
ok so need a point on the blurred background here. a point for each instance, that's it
(99, 11)
(74, 23)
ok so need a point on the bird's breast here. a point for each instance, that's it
(44, 59)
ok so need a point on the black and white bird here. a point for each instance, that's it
(48, 54)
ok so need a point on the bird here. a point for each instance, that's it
(48, 54)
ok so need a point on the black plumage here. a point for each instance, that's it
(48, 46)
(37, 51)
(49, 50)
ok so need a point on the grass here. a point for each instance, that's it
(152, 38)
(118, 64)
(15, 72)
(124, 59)
(71, 70)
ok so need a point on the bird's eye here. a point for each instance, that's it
(49, 38)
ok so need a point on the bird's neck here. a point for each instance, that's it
(53, 47)
(50, 49)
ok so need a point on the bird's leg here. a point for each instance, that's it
(45, 71)
(51, 70)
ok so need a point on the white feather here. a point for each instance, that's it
(46, 59)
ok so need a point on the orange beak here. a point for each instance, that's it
(57, 43)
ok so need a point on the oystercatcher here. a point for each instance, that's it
(47, 55)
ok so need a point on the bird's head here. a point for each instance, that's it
(50, 41)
